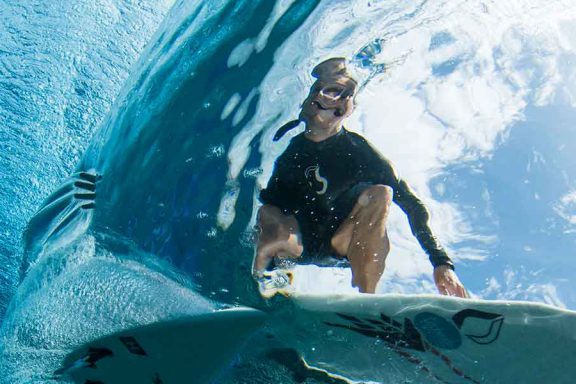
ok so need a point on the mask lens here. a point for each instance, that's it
(333, 92)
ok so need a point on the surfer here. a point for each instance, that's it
(330, 194)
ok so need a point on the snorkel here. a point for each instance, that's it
(332, 90)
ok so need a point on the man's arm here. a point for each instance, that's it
(382, 171)
(418, 217)
(445, 278)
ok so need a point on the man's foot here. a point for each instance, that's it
(272, 282)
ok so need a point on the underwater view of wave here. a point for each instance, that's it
(136, 136)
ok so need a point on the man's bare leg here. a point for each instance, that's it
(363, 239)
(279, 237)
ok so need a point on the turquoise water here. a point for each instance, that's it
(175, 106)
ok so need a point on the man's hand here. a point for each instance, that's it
(448, 283)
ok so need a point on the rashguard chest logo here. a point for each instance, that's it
(315, 181)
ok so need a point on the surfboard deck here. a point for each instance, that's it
(397, 338)
(190, 349)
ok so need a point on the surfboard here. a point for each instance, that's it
(186, 350)
(396, 338)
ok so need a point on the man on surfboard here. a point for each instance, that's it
(331, 191)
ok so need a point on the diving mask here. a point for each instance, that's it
(331, 95)
(332, 90)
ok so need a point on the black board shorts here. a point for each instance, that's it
(317, 234)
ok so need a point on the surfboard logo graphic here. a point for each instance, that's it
(428, 332)
(315, 180)
(387, 329)
(402, 337)
(490, 325)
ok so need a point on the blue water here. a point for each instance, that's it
(174, 105)
(62, 66)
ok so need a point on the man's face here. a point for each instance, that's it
(329, 102)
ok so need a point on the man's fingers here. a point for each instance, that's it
(448, 284)
(458, 290)
(442, 289)
(453, 289)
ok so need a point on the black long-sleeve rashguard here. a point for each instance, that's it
(319, 183)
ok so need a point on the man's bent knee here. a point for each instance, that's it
(272, 216)
(376, 195)
(375, 199)
(340, 242)
(268, 213)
